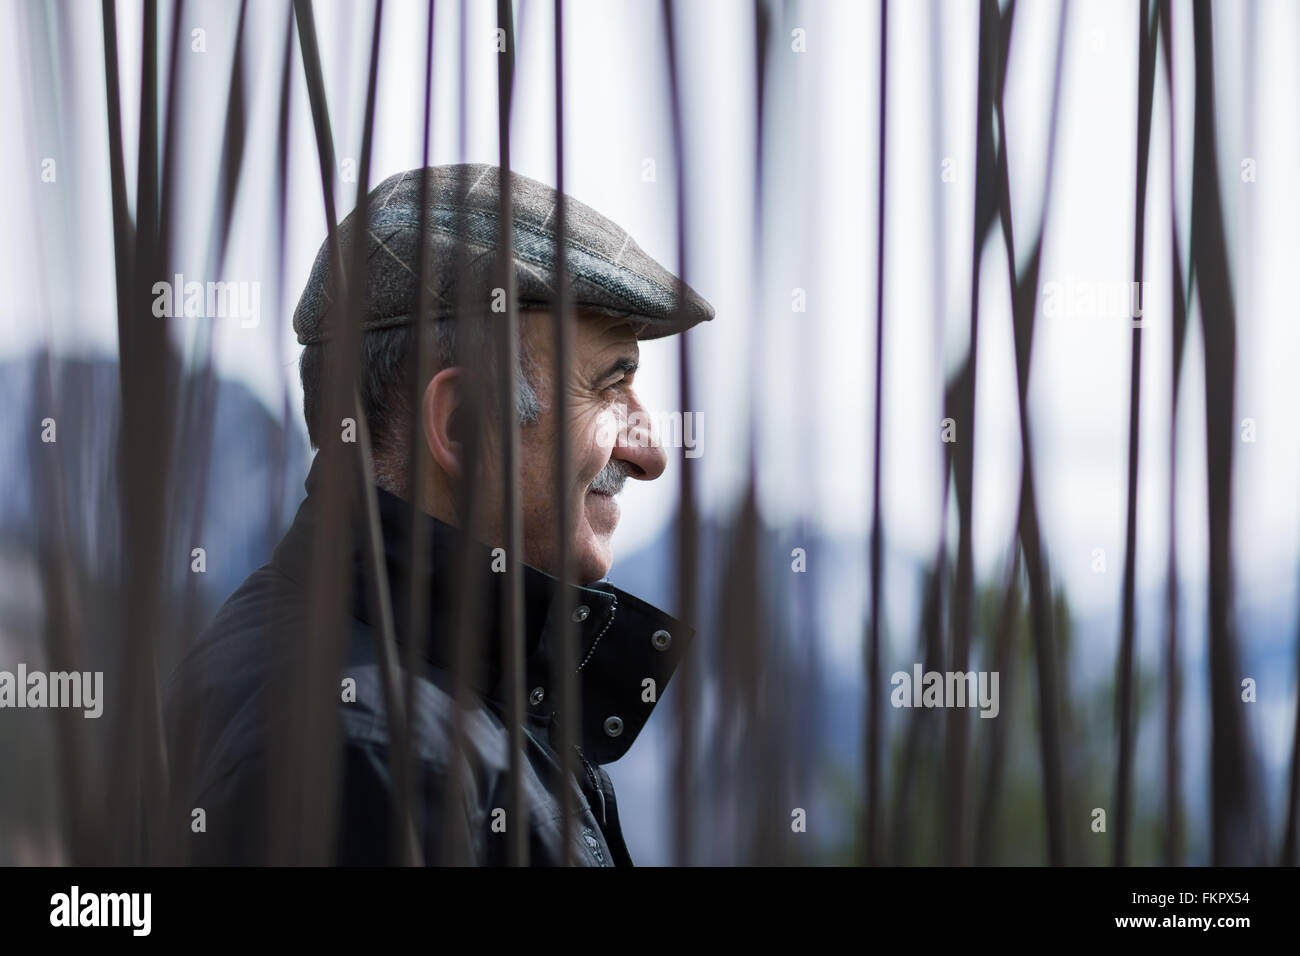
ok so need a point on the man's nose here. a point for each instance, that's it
(639, 447)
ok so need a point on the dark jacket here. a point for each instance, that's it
(221, 709)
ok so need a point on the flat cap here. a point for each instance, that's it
(609, 273)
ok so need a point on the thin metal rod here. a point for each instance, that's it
(687, 518)
(145, 361)
(1232, 804)
(1173, 852)
(512, 604)
(1125, 690)
(565, 652)
(468, 595)
(282, 748)
(960, 623)
(303, 830)
(743, 628)
(875, 711)
(418, 594)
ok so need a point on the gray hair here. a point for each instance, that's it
(384, 384)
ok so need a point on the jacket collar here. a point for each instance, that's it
(627, 650)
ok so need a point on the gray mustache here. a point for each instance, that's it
(611, 478)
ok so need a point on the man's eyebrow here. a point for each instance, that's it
(625, 364)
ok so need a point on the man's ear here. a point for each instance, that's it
(441, 421)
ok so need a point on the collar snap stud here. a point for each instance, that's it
(581, 612)
(537, 696)
(660, 639)
(613, 726)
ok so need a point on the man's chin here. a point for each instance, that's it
(594, 561)
(591, 559)
(601, 513)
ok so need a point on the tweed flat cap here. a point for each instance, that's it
(609, 273)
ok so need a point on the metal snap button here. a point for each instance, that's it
(537, 696)
(613, 726)
(580, 613)
(661, 639)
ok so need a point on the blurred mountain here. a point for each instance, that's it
(240, 462)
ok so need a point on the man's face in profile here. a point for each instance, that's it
(609, 441)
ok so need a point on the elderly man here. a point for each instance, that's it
(230, 737)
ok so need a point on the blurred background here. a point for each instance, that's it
(1015, 114)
